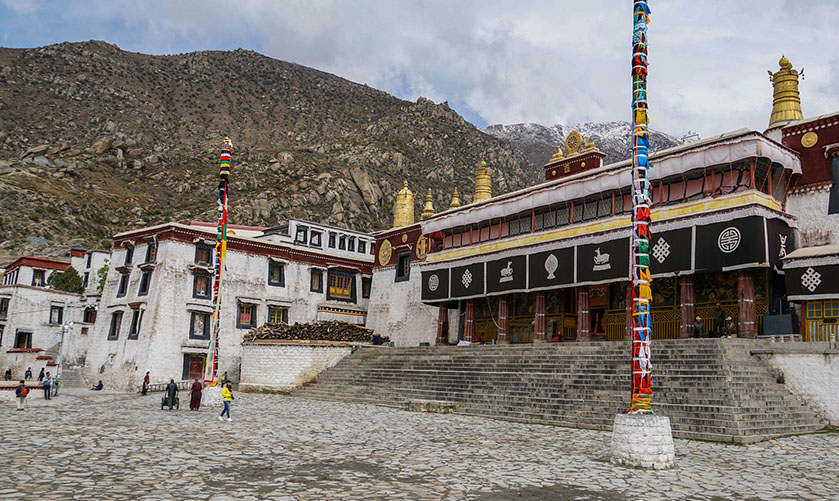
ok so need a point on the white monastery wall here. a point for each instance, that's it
(813, 377)
(283, 367)
(396, 309)
(815, 225)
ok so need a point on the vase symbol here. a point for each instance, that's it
(551, 264)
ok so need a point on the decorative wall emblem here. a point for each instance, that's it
(811, 279)
(661, 250)
(601, 261)
(385, 251)
(729, 239)
(466, 279)
(506, 273)
(551, 264)
(783, 251)
(433, 282)
(809, 139)
(421, 247)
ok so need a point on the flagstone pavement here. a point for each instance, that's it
(100, 445)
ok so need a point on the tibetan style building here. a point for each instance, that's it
(551, 262)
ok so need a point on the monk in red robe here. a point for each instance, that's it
(195, 395)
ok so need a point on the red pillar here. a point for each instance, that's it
(583, 315)
(503, 321)
(540, 326)
(443, 325)
(746, 316)
(687, 298)
(469, 328)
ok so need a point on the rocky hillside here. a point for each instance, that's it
(95, 140)
(539, 142)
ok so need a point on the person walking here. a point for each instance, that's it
(41, 375)
(47, 386)
(145, 384)
(28, 374)
(171, 393)
(20, 392)
(227, 397)
(719, 321)
(195, 395)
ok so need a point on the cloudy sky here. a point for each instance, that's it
(494, 61)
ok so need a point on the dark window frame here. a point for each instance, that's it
(239, 324)
(366, 285)
(145, 283)
(129, 255)
(315, 235)
(136, 324)
(403, 267)
(301, 230)
(332, 240)
(4, 306)
(342, 242)
(205, 335)
(60, 310)
(203, 247)
(116, 325)
(283, 315)
(151, 252)
(86, 316)
(351, 244)
(195, 294)
(23, 332)
(362, 246)
(313, 273)
(89, 258)
(122, 287)
(35, 281)
(272, 265)
(343, 274)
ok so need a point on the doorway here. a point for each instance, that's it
(194, 366)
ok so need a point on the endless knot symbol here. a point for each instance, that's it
(467, 278)
(729, 239)
(433, 283)
(811, 279)
(661, 250)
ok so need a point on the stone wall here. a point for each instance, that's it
(396, 309)
(811, 372)
(270, 366)
(815, 225)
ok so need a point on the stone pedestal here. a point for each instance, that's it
(211, 396)
(643, 440)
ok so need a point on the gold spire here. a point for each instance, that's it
(483, 183)
(455, 201)
(428, 210)
(403, 209)
(786, 102)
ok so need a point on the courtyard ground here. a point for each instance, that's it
(100, 445)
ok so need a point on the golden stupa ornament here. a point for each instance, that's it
(573, 143)
(403, 209)
(786, 101)
(428, 210)
(455, 200)
(483, 183)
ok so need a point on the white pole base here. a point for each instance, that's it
(643, 440)
(211, 396)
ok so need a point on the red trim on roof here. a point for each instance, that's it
(23, 350)
(37, 262)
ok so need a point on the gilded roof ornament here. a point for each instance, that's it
(589, 145)
(428, 210)
(557, 156)
(483, 183)
(403, 209)
(573, 143)
(786, 101)
(455, 200)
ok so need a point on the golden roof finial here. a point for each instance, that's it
(573, 143)
(483, 183)
(428, 210)
(786, 102)
(589, 145)
(557, 156)
(455, 201)
(403, 209)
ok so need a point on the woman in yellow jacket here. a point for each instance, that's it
(227, 397)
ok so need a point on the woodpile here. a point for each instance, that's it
(332, 330)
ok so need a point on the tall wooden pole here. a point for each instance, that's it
(642, 393)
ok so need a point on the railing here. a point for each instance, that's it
(182, 385)
(819, 331)
(665, 324)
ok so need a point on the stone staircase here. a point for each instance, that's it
(72, 378)
(712, 389)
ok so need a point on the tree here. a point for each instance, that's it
(68, 281)
(102, 273)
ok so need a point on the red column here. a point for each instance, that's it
(443, 325)
(503, 321)
(583, 315)
(746, 316)
(687, 298)
(540, 326)
(469, 328)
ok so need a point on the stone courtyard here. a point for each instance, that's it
(90, 445)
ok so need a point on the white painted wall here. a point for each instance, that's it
(396, 309)
(98, 259)
(815, 226)
(283, 367)
(813, 377)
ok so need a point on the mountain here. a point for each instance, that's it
(539, 142)
(95, 140)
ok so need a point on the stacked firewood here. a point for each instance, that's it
(332, 330)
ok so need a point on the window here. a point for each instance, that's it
(316, 284)
(116, 322)
(4, 307)
(203, 254)
(403, 269)
(86, 279)
(23, 340)
(578, 212)
(342, 243)
(201, 286)
(362, 247)
(129, 255)
(831, 308)
(123, 285)
(351, 245)
(247, 316)
(302, 235)
(151, 252)
(277, 315)
(341, 286)
(372, 248)
(199, 325)
(89, 316)
(332, 237)
(136, 321)
(89, 257)
(38, 278)
(314, 239)
(56, 314)
(2, 328)
(276, 274)
(145, 280)
(814, 309)
(365, 287)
